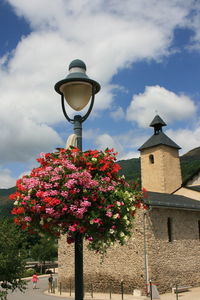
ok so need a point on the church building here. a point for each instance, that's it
(165, 245)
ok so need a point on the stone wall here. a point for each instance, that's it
(175, 262)
(164, 174)
(120, 263)
(168, 262)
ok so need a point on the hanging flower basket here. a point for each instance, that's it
(74, 192)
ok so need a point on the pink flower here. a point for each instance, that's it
(55, 178)
(70, 183)
(64, 209)
(85, 203)
(109, 214)
(49, 210)
(64, 194)
(48, 185)
(73, 228)
(27, 219)
(73, 191)
(53, 192)
(97, 220)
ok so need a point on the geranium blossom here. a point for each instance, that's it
(74, 192)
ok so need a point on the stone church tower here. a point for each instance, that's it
(160, 163)
(165, 241)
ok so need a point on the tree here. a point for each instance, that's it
(44, 250)
(12, 265)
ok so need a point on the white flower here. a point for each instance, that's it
(94, 159)
(29, 192)
(128, 194)
(42, 222)
(121, 234)
(111, 231)
(125, 238)
(16, 202)
(115, 216)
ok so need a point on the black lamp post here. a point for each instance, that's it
(77, 89)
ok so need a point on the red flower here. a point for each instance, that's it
(70, 240)
(82, 229)
(116, 168)
(17, 221)
(17, 211)
(24, 226)
(145, 194)
(74, 150)
(52, 203)
(12, 197)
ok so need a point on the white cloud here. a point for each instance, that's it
(126, 144)
(105, 140)
(118, 114)
(129, 155)
(107, 35)
(158, 100)
(6, 179)
(185, 138)
(22, 138)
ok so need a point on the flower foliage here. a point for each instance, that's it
(74, 192)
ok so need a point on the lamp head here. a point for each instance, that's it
(77, 87)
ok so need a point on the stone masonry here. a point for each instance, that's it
(164, 175)
(169, 263)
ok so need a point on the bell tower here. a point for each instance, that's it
(160, 162)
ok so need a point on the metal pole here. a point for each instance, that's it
(60, 288)
(78, 238)
(92, 290)
(70, 288)
(122, 289)
(110, 290)
(150, 289)
(145, 254)
(176, 291)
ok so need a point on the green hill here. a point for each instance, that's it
(130, 168)
(190, 163)
(5, 203)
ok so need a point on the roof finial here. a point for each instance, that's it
(157, 123)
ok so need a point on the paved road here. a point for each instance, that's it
(38, 294)
(33, 294)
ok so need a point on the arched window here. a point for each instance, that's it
(151, 158)
(169, 229)
(199, 228)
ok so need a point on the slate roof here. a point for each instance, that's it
(157, 121)
(171, 201)
(196, 172)
(159, 139)
(194, 188)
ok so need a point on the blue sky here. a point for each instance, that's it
(144, 53)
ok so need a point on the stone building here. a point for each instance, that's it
(165, 245)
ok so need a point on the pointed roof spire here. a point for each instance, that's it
(157, 123)
(158, 138)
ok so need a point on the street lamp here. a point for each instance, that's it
(77, 89)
